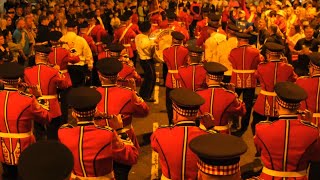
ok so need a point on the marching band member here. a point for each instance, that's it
(174, 57)
(79, 46)
(94, 147)
(47, 79)
(222, 103)
(60, 58)
(18, 111)
(288, 144)
(244, 60)
(124, 34)
(215, 45)
(193, 76)
(269, 73)
(119, 100)
(145, 47)
(177, 161)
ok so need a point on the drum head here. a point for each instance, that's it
(164, 39)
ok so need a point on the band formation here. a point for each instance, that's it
(70, 88)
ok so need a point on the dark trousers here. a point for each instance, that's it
(121, 171)
(134, 58)
(164, 72)
(31, 61)
(149, 81)
(53, 127)
(169, 105)
(192, 28)
(64, 105)
(258, 118)
(95, 81)
(248, 96)
(78, 75)
(314, 172)
(49, 131)
(226, 79)
(10, 172)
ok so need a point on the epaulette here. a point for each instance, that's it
(229, 91)
(303, 77)
(25, 94)
(200, 89)
(165, 126)
(266, 122)
(308, 123)
(212, 131)
(108, 128)
(263, 62)
(67, 126)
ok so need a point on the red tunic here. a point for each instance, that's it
(120, 100)
(103, 55)
(177, 161)
(48, 79)
(135, 18)
(156, 18)
(17, 113)
(244, 60)
(175, 57)
(129, 72)
(312, 86)
(97, 33)
(200, 25)
(90, 42)
(127, 40)
(61, 57)
(192, 76)
(94, 148)
(286, 145)
(166, 24)
(268, 75)
(222, 104)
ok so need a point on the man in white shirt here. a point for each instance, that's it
(79, 46)
(145, 48)
(215, 45)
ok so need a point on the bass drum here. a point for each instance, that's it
(163, 40)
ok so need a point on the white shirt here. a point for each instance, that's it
(232, 43)
(144, 46)
(81, 46)
(212, 47)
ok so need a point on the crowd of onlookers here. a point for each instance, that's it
(284, 22)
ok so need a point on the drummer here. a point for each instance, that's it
(145, 47)
(170, 22)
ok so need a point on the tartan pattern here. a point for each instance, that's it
(84, 114)
(215, 77)
(218, 170)
(185, 112)
(11, 81)
(42, 54)
(273, 53)
(287, 105)
(314, 66)
(193, 54)
(114, 54)
(111, 77)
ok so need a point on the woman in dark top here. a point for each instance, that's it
(5, 55)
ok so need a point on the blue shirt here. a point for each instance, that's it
(17, 36)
